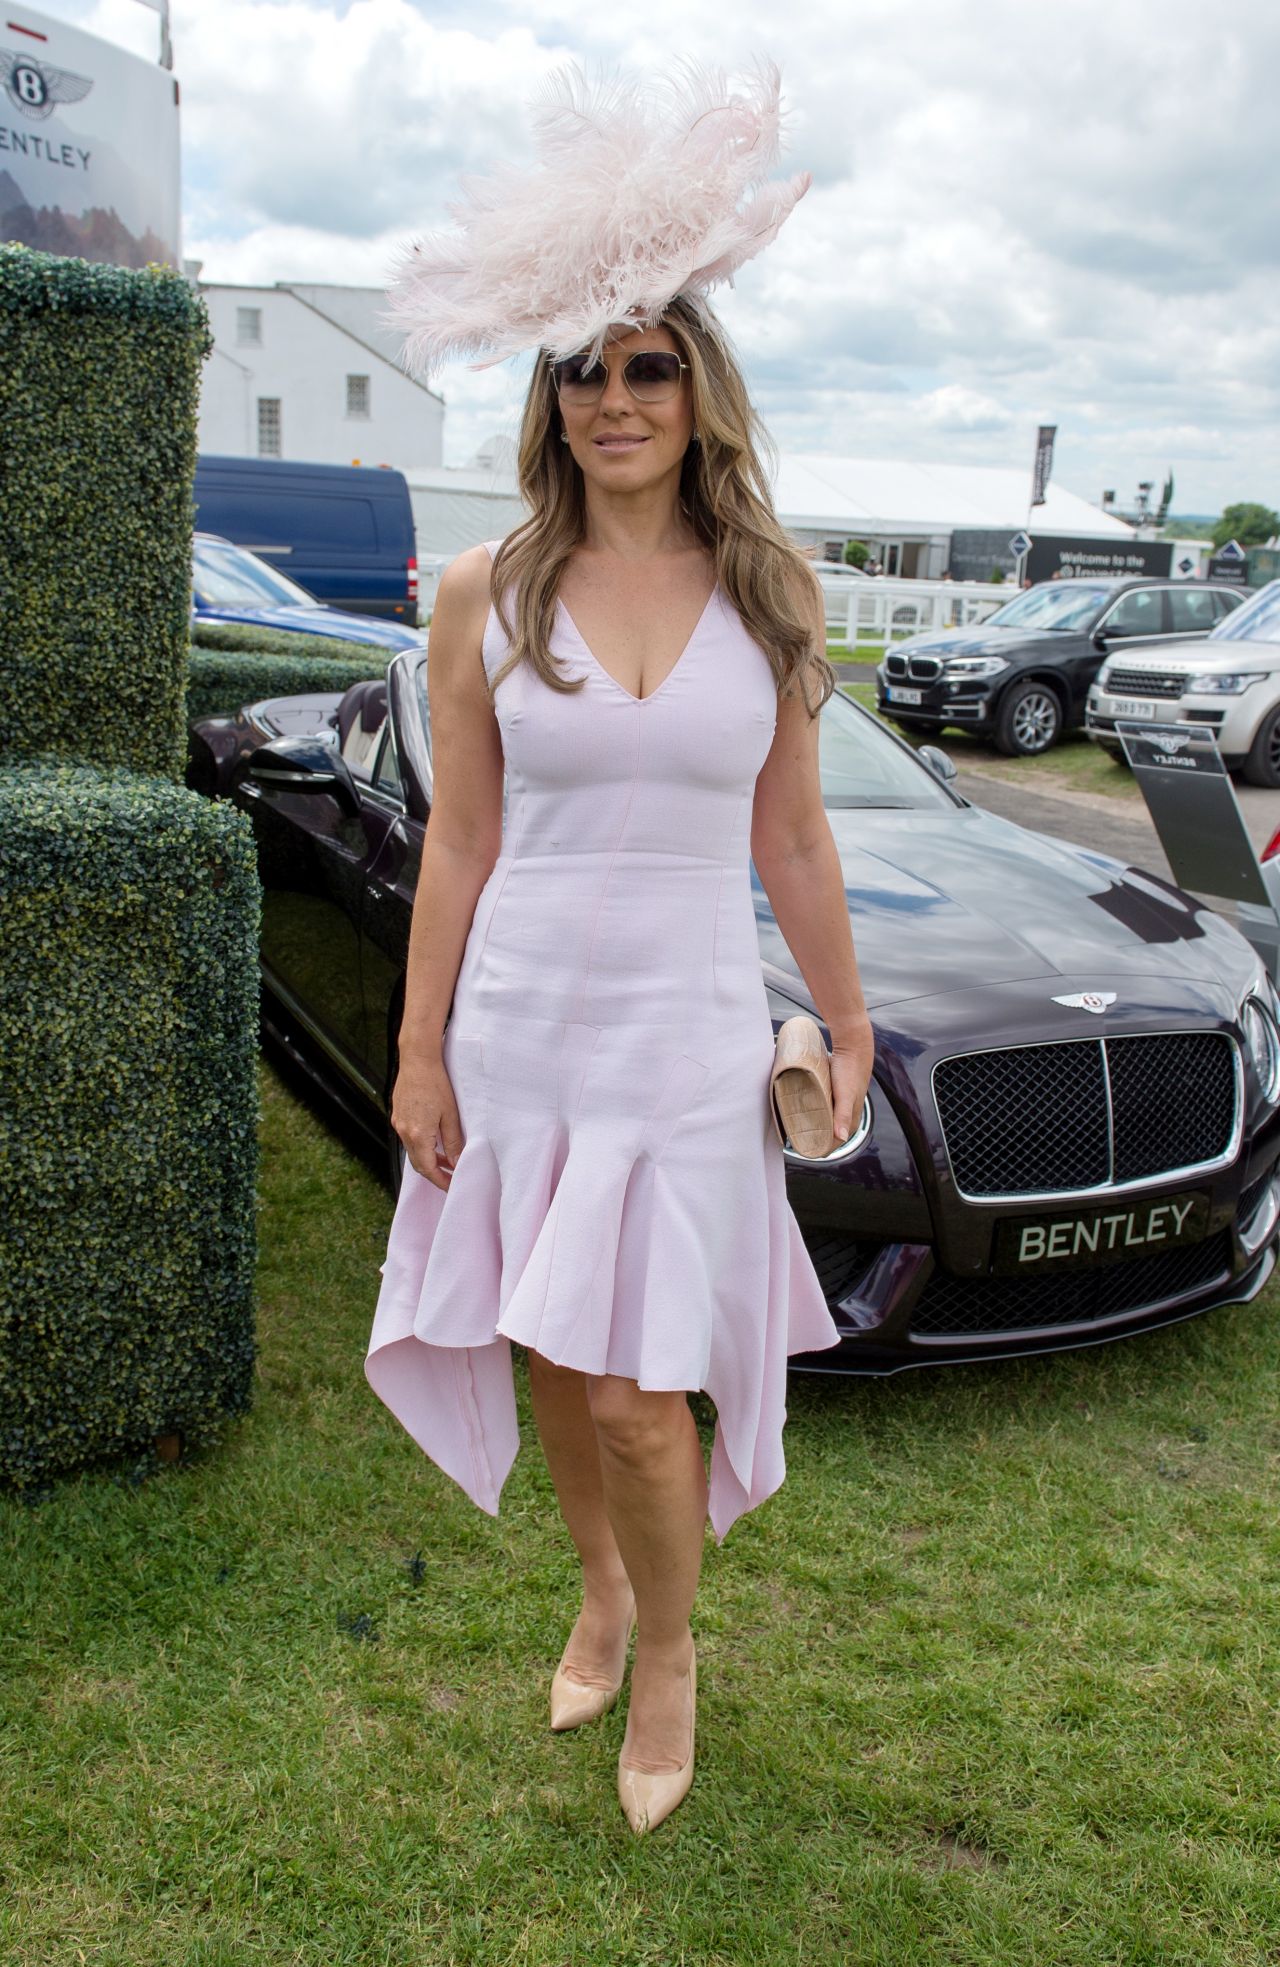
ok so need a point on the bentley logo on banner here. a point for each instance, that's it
(1044, 461)
(36, 87)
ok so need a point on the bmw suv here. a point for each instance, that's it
(1022, 676)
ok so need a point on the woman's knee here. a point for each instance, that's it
(547, 1369)
(634, 1423)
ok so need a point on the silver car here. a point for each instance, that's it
(1229, 678)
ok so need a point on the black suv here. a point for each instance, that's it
(1022, 676)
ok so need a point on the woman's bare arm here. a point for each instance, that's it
(463, 840)
(798, 863)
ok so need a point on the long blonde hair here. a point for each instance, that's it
(724, 493)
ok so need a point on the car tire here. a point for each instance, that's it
(1262, 764)
(1113, 751)
(1029, 720)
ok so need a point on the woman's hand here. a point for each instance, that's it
(852, 1058)
(424, 1113)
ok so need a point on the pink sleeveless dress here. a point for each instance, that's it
(620, 1201)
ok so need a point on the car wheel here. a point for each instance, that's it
(1262, 766)
(1030, 720)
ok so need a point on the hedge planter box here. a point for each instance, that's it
(129, 919)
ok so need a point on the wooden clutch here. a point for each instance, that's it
(800, 1098)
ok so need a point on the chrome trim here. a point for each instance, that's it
(280, 775)
(842, 1150)
(1158, 1179)
(341, 1059)
(1263, 1220)
(1111, 1114)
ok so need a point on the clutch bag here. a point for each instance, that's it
(800, 1097)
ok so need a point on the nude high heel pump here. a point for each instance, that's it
(572, 1703)
(647, 1798)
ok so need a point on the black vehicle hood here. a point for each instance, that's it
(983, 640)
(1000, 903)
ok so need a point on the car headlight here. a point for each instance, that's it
(1262, 1036)
(1212, 683)
(973, 665)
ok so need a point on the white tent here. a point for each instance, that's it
(883, 496)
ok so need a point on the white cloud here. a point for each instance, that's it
(1019, 214)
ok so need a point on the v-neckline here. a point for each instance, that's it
(607, 674)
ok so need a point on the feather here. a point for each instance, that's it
(644, 188)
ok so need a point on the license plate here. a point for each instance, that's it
(1112, 1232)
(897, 694)
(1130, 707)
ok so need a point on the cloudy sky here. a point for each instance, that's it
(1063, 212)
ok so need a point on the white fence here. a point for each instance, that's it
(883, 607)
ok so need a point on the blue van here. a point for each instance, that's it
(343, 531)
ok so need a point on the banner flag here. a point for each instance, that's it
(1044, 462)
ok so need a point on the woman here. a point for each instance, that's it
(586, 1041)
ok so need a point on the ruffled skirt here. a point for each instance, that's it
(620, 1206)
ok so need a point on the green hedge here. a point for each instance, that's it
(233, 637)
(99, 382)
(129, 919)
(217, 685)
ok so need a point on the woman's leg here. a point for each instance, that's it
(568, 1437)
(655, 1489)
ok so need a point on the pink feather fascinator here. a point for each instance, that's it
(644, 189)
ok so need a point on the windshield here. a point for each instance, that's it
(862, 765)
(1255, 620)
(1053, 604)
(227, 576)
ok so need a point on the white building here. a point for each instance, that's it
(304, 370)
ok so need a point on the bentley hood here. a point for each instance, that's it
(998, 904)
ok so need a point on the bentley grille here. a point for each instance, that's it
(1086, 1113)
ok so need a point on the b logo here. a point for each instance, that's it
(28, 84)
(35, 87)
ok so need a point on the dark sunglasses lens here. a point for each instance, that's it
(654, 374)
(578, 376)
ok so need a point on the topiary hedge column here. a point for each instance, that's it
(129, 906)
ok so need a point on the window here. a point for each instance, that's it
(269, 427)
(386, 773)
(1139, 612)
(357, 396)
(249, 327)
(1226, 604)
(1191, 610)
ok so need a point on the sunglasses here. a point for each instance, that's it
(652, 376)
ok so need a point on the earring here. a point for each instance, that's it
(695, 439)
(564, 437)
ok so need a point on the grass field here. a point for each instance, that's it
(992, 1679)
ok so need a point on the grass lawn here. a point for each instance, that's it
(992, 1679)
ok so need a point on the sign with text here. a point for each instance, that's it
(89, 161)
(1066, 555)
(1193, 804)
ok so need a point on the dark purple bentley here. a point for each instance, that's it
(1073, 1129)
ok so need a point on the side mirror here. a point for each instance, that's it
(303, 764)
(942, 766)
